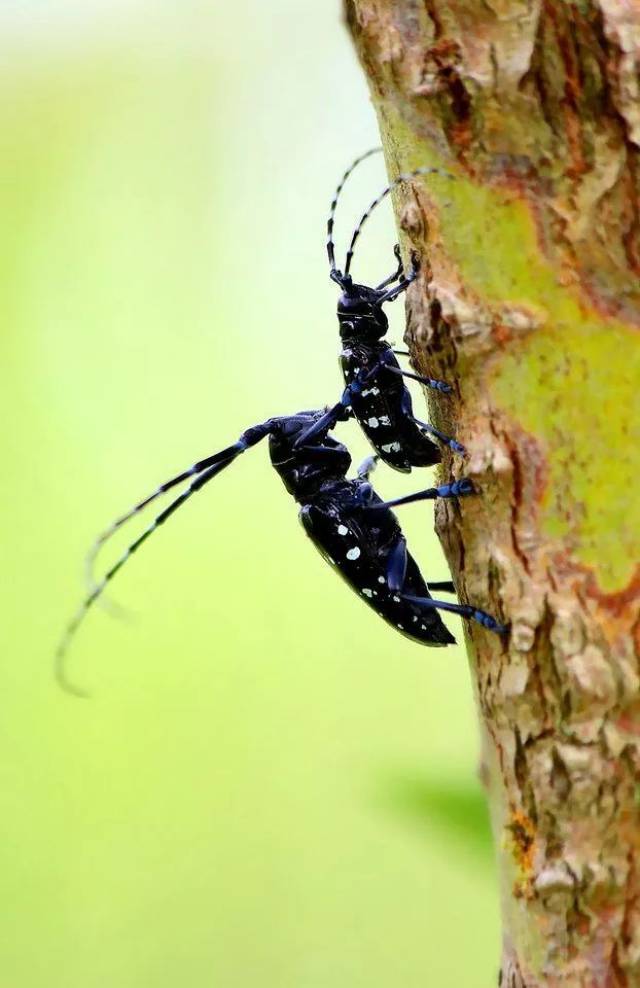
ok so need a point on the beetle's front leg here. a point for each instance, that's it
(396, 274)
(404, 282)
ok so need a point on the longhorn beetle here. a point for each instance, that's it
(352, 527)
(375, 391)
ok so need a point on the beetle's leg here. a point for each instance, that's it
(397, 565)
(401, 287)
(396, 274)
(364, 491)
(367, 466)
(407, 408)
(459, 488)
(464, 610)
(397, 570)
(404, 282)
(445, 585)
(447, 440)
(428, 381)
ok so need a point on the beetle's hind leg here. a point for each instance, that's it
(407, 408)
(464, 610)
(397, 565)
(395, 576)
(453, 444)
(397, 570)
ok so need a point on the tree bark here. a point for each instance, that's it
(529, 303)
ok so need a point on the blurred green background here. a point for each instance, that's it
(267, 786)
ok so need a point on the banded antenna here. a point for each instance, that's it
(335, 273)
(203, 472)
(376, 202)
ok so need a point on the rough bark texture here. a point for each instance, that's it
(529, 302)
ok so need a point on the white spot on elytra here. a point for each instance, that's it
(384, 420)
(353, 553)
(391, 448)
(367, 592)
(401, 628)
(342, 530)
(381, 579)
(397, 600)
(370, 391)
(373, 423)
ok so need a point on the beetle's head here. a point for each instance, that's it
(360, 312)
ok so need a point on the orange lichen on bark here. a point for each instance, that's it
(522, 834)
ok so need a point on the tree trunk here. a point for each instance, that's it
(529, 303)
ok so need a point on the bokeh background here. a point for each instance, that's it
(267, 786)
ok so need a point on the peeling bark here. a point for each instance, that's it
(529, 303)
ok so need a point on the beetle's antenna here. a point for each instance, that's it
(385, 192)
(211, 467)
(335, 273)
(137, 508)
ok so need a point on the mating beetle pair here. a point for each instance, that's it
(351, 526)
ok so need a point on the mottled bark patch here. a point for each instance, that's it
(529, 303)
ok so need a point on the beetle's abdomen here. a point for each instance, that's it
(360, 556)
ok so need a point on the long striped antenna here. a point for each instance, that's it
(210, 467)
(136, 509)
(332, 211)
(376, 202)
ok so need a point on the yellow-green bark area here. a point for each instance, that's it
(586, 498)
(587, 426)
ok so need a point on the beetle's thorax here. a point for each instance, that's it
(305, 479)
(311, 469)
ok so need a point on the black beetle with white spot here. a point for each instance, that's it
(354, 530)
